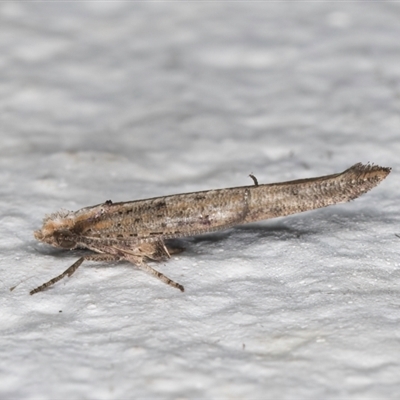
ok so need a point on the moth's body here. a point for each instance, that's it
(136, 230)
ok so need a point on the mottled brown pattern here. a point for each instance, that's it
(136, 230)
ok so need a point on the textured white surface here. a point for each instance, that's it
(119, 100)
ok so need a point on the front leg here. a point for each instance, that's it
(69, 271)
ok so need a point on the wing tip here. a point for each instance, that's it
(369, 170)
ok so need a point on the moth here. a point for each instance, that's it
(136, 231)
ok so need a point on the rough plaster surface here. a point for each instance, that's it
(127, 100)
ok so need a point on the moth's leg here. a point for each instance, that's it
(156, 251)
(254, 179)
(69, 271)
(161, 276)
(138, 262)
(174, 249)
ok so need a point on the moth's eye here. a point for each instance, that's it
(64, 240)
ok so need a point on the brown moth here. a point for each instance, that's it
(136, 230)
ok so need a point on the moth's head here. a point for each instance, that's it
(56, 231)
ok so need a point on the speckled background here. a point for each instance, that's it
(128, 100)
